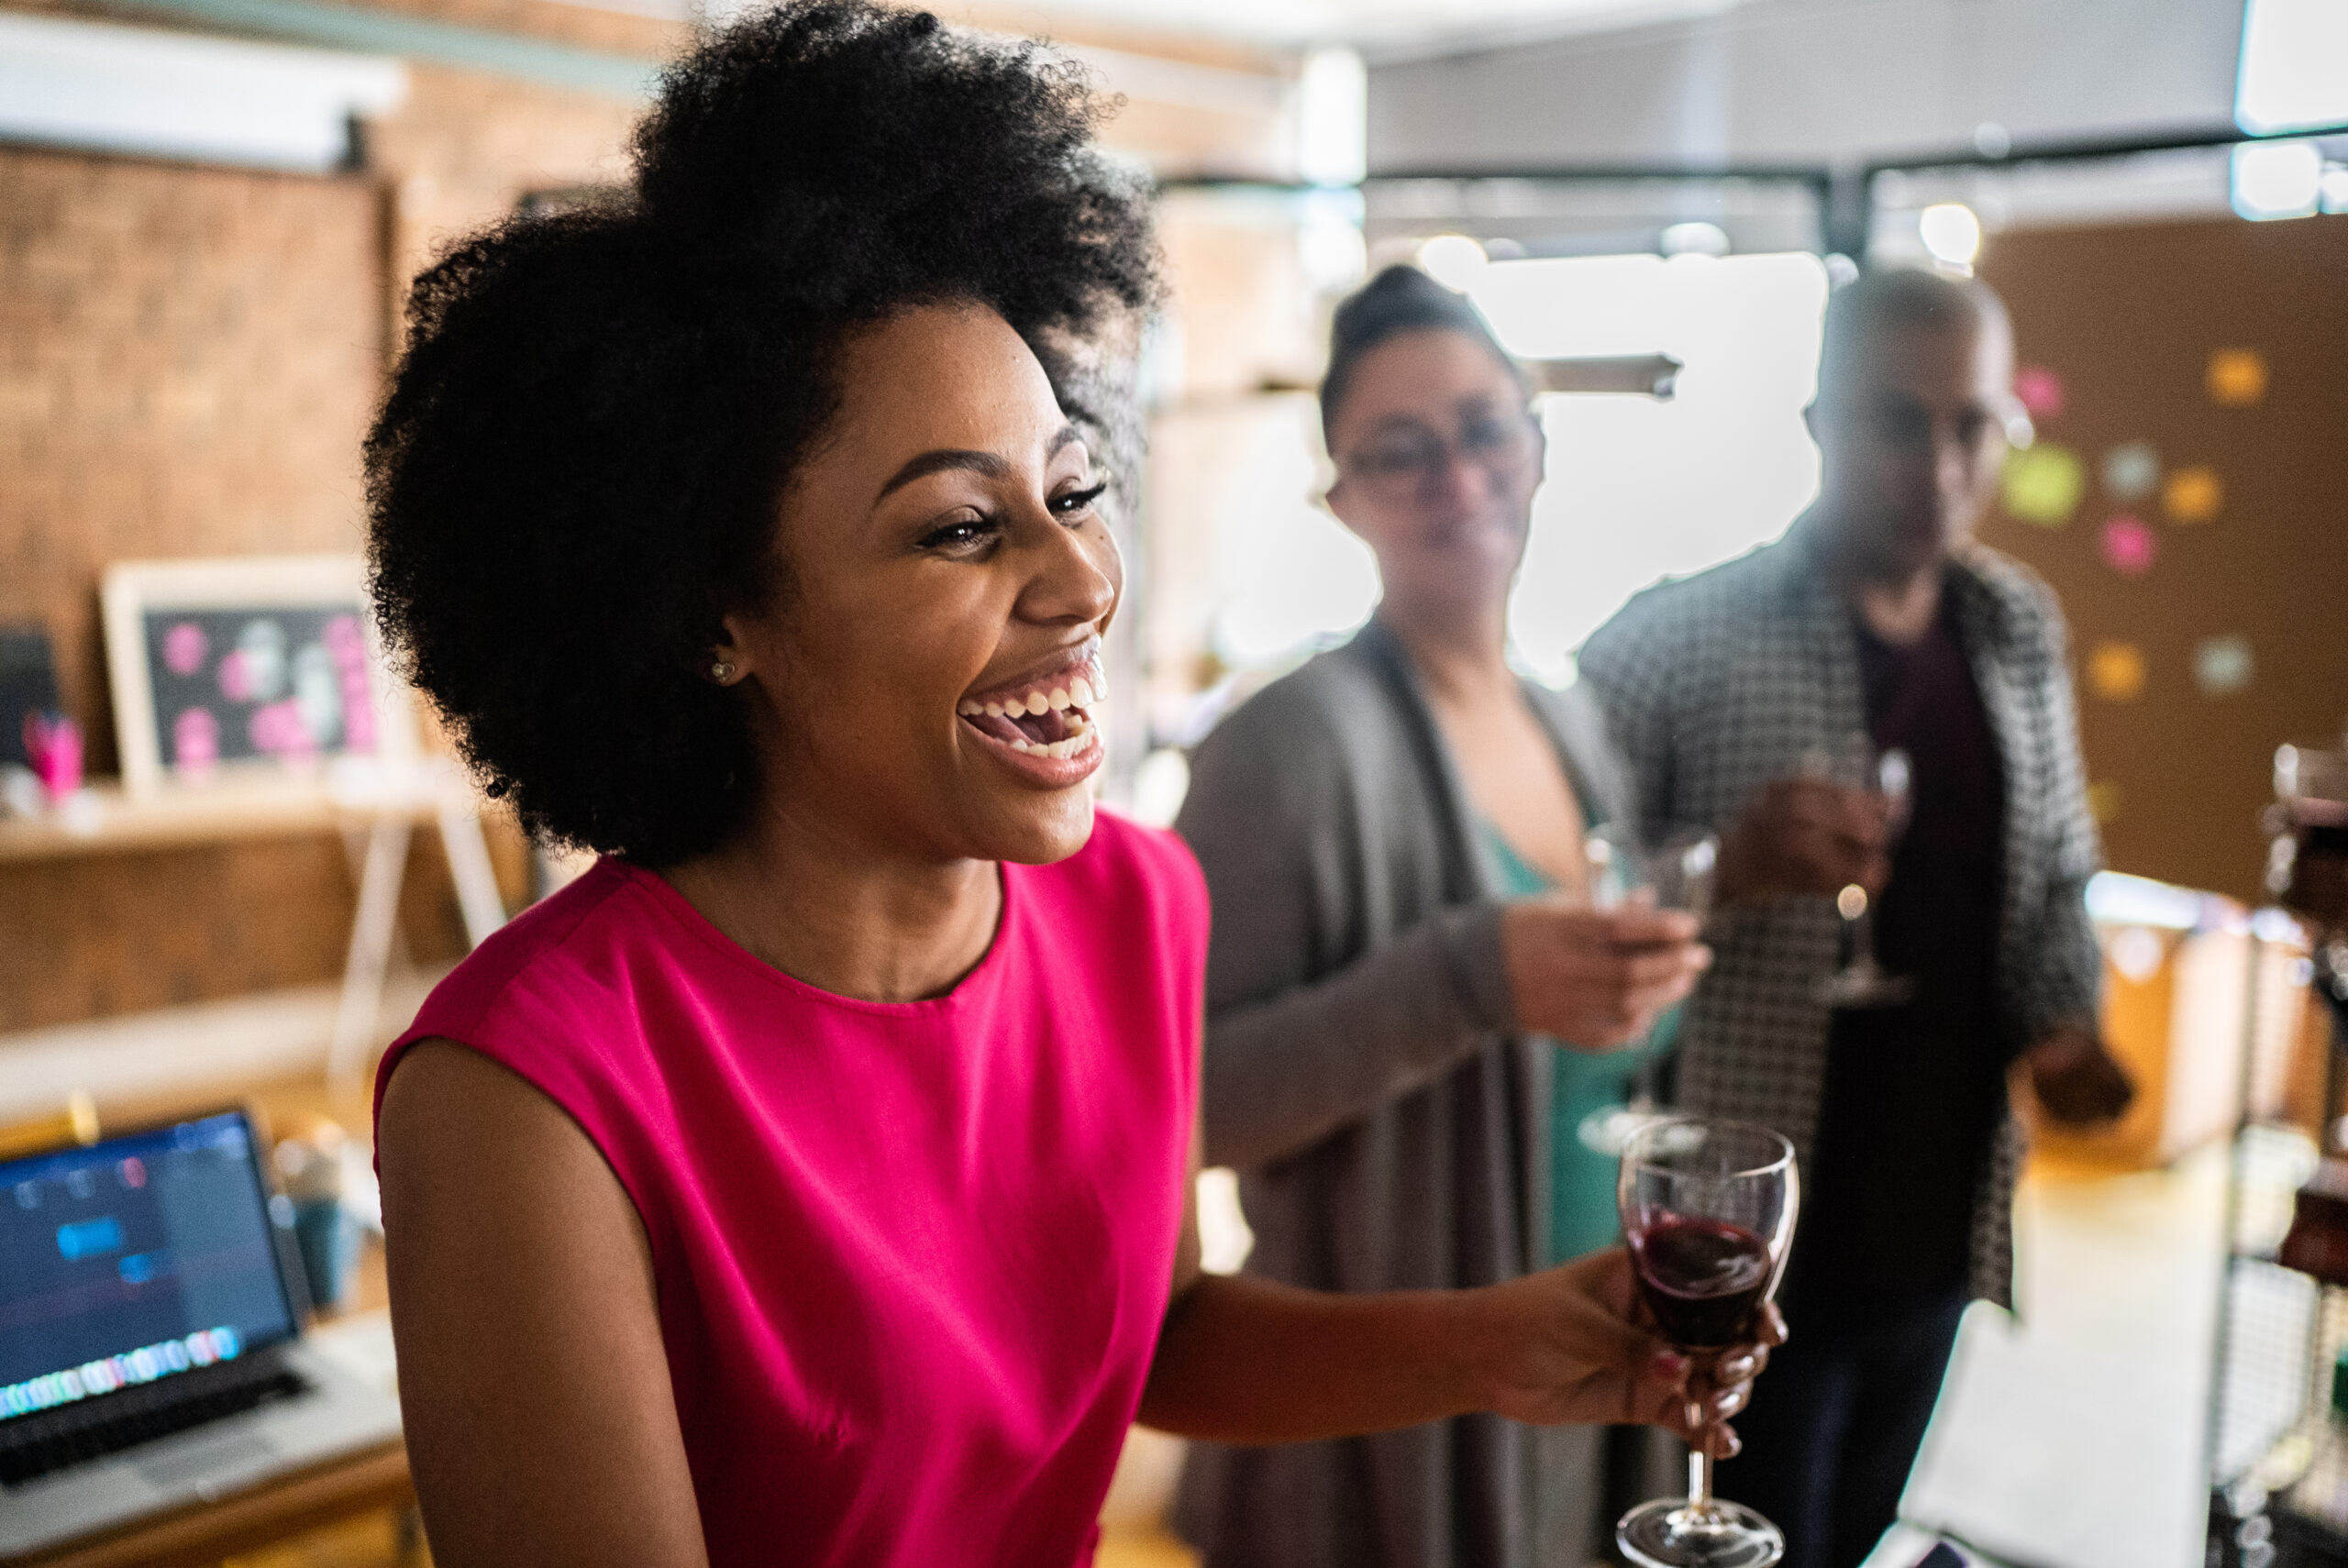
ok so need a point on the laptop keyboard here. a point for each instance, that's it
(123, 1420)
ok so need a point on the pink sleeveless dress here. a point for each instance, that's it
(913, 1258)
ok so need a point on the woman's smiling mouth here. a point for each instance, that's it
(1048, 722)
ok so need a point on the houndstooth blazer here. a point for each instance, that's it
(1716, 685)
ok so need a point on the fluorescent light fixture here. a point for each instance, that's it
(1952, 232)
(207, 100)
(2294, 72)
(1333, 117)
(2278, 178)
(1454, 261)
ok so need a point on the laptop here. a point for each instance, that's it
(150, 1342)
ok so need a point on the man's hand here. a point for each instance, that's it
(2076, 1078)
(1596, 978)
(1805, 836)
(1568, 1345)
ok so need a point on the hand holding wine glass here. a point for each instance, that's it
(1860, 980)
(1596, 977)
(1709, 1208)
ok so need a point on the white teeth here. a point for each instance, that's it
(994, 710)
(1080, 692)
(1020, 745)
(1059, 698)
(970, 710)
(1039, 704)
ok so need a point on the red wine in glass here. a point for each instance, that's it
(1704, 1280)
(1709, 1208)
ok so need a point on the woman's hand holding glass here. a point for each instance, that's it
(1594, 977)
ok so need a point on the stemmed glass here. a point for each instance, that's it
(1709, 1208)
(1861, 981)
(1675, 874)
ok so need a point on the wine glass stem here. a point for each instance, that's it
(1700, 1479)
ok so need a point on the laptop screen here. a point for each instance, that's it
(134, 1259)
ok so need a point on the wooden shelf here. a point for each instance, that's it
(102, 819)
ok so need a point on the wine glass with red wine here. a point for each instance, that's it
(1709, 1208)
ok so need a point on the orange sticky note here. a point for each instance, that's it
(2116, 671)
(2237, 377)
(2193, 495)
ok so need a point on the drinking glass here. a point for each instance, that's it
(1860, 980)
(1676, 874)
(1709, 1208)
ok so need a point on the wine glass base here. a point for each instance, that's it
(1672, 1532)
(1866, 986)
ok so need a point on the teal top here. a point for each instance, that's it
(1581, 1180)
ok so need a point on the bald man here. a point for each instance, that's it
(1877, 622)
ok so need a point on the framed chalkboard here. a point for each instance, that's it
(228, 668)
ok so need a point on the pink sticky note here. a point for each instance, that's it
(2041, 390)
(195, 742)
(183, 648)
(2129, 547)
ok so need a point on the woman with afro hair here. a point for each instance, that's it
(808, 1182)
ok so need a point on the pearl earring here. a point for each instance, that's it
(722, 671)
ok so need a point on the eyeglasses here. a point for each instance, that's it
(1408, 460)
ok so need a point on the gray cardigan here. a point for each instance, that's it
(1365, 1075)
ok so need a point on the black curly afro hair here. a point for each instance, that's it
(578, 468)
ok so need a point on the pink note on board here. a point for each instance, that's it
(2129, 547)
(2040, 390)
(184, 646)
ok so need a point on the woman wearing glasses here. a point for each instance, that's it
(1393, 843)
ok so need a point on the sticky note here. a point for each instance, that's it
(2116, 671)
(2224, 666)
(2044, 483)
(2103, 800)
(2132, 472)
(2193, 495)
(2237, 377)
(2040, 390)
(2129, 547)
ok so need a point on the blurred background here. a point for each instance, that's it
(210, 209)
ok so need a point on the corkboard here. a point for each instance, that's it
(2129, 319)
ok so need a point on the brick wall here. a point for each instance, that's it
(188, 357)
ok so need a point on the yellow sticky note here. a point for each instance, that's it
(2103, 800)
(2193, 495)
(2044, 483)
(2116, 671)
(2237, 377)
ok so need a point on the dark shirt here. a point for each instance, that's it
(1913, 1092)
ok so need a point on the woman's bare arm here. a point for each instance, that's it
(1249, 1361)
(541, 1427)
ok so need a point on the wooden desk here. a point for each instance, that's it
(199, 1536)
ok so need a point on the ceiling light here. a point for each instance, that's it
(1333, 117)
(2294, 72)
(1951, 232)
(2278, 178)
(1454, 261)
(1695, 240)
